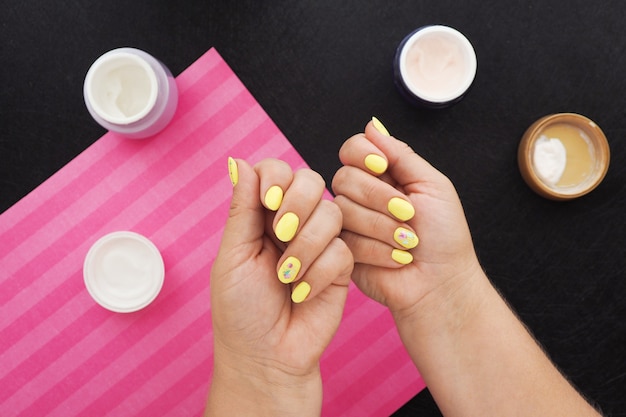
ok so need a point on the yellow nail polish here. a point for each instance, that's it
(301, 292)
(233, 172)
(289, 270)
(401, 209)
(405, 238)
(401, 256)
(286, 227)
(273, 197)
(380, 127)
(376, 163)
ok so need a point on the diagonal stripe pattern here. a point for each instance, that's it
(61, 354)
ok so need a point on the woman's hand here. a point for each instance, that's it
(278, 288)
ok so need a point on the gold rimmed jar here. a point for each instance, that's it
(563, 156)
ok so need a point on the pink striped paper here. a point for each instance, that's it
(63, 355)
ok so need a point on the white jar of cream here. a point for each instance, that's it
(123, 271)
(434, 66)
(129, 92)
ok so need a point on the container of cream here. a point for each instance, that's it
(128, 91)
(123, 271)
(563, 156)
(434, 66)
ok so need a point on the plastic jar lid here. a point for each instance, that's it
(123, 271)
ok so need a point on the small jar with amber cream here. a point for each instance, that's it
(563, 156)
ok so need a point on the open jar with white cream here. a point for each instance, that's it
(123, 271)
(434, 66)
(128, 91)
(563, 156)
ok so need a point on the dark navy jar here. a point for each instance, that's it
(434, 66)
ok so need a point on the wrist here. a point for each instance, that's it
(244, 386)
(451, 304)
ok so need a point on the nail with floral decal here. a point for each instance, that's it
(289, 270)
(406, 238)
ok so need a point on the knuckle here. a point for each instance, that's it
(339, 180)
(312, 177)
(332, 211)
(378, 224)
(368, 250)
(318, 179)
(370, 191)
(345, 254)
(340, 201)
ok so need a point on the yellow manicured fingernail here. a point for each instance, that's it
(401, 256)
(233, 171)
(401, 209)
(380, 127)
(405, 238)
(301, 292)
(376, 163)
(273, 197)
(289, 269)
(286, 227)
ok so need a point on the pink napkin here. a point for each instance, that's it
(61, 354)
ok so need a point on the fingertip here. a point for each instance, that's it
(275, 178)
(233, 171)
(273, 197)
(245, 217)
(300, 292)
(241, 175)
(401, 209)
(375, 163)
(378, 125)
(402, 257)
(359, 151)
(347, 148)
(377, 133)
(289, 269)
(405, 165)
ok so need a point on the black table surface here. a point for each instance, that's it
(321, 69)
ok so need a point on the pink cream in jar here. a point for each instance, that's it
(434, 66)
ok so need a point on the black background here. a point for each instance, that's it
(321, 69)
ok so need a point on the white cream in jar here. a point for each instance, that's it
(549, 159)
(129, 92)
(123, 271)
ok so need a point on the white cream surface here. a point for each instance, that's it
(127, 90)
(123, 271)
(436, 66)
(123, 89)
(549, 159)
(126, 270)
